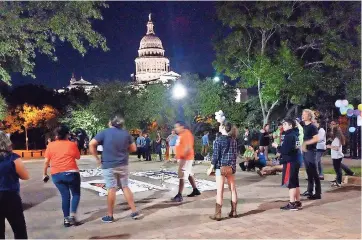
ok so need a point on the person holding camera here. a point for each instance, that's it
(61, 155)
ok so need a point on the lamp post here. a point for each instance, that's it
(179, 92)
(216, 79)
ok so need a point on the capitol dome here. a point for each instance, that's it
(151, 64)
(151, 41)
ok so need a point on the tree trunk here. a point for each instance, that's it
(26, 139)
(261, 100)
(290, 110)
(266, 119)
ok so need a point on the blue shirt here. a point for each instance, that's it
(141, 142)
(115, 143)
(205, 140)
(172, 140)
(9, 179)
(262, 158)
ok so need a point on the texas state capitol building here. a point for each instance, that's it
(151, 64)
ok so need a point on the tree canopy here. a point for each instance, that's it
(289, 50)
(30, 28)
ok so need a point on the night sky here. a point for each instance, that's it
(186, 30)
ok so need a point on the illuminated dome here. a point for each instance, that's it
(151, 41)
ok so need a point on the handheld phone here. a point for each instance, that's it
(46, 179)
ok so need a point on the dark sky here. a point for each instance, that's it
(185, 28)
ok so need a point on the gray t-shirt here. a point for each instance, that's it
(115, 147)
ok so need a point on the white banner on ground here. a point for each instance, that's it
(90, 172)
(134, 185)
(172, 178)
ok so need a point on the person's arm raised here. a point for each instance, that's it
(21, 170)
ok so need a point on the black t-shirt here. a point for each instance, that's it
(310, 130)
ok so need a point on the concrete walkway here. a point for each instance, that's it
(337, 215)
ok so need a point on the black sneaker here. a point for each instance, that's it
(306, 194)
(315, 197)
(321, 178)
(298, 204)
(290, 206)
(66, 222)
(73, 221)
(194, 193)
(177, 198)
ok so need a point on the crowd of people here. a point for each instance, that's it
(296, 142)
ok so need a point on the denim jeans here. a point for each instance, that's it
(68, 182)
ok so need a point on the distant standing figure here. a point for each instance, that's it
(264, 140)
(158, 145)
(11, 170)
(205, 145)
(337, 154)
(148, 148)
(140, 142)
(247, 141)
(172, 139)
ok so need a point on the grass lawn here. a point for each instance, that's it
(356, 170)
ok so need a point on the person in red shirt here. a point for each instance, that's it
(185, 154)
(61, 155)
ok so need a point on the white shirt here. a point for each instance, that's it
(336, 154)
(322, 139)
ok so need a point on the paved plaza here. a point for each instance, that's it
(337, 215)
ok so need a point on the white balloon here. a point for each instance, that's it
(345, 103)
(223, 118)
(338, 103)
(220, 112)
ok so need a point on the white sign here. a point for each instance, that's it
(134, 185)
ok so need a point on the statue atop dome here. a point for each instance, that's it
(150, 26)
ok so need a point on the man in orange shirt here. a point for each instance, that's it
(185, 153)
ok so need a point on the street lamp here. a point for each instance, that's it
(179, 91)
(216, 79)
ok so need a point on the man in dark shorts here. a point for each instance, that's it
(289, 158)
(309, 149)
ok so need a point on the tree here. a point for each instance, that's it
(3, 108)
(84, 118)
(28, 28)
(25, 117)
(299, 44)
